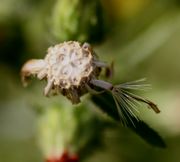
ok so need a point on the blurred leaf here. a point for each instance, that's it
(63, 126)
(89, 131)
(106, 103)
(78, 19)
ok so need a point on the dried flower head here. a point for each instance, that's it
(67, 67)
(68, 64)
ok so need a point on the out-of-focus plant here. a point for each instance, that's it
(78, 20)
(65, 132)
(121, 9)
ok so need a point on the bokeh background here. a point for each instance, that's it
(143, 42)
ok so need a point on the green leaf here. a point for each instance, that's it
(106, 103)
(80, 20)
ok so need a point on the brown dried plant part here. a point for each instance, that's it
(32, 67)
(67, 68)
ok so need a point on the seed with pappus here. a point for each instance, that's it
(72, 69)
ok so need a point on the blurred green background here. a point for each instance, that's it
(143, 42)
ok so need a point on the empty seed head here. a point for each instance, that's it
(68, 64)
(67, 67)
